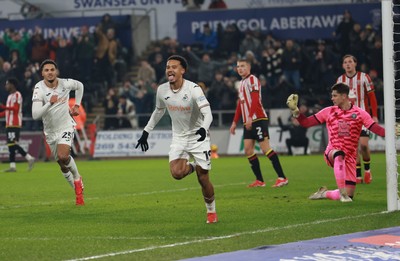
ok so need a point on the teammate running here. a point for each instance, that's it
(50, 103)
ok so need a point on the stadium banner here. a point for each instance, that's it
(121, 143)
(30, 142)
(317, 137)
(296, 22)
(53, 28)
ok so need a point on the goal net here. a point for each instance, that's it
(391, 77)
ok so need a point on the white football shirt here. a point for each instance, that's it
(57, 116)
(183, 107)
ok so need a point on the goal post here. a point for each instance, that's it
(390, 98)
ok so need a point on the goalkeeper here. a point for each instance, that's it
(343, 122)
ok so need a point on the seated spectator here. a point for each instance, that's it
(298, 136)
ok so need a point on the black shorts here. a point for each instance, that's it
(258, 131)
(12, 135)
(365, 133)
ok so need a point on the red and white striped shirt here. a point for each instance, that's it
(250, 104)
(13, 110)
(362, 92)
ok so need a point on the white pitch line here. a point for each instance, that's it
(118, 196)
(222, 237)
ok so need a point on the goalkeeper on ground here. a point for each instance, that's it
(344, 122)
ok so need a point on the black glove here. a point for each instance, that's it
(202, 133)
(143, 141)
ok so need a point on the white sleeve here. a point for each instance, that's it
(208, 118)
(38, 109)
(78, 87)
(204, 106)
(154, 119)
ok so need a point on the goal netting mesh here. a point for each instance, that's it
(391, 77)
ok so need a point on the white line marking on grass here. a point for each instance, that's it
(117, 196)
(223, 237)
(92, 238)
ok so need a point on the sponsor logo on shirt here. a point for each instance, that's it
(178, 108)
(166, 98)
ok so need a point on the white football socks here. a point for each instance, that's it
(69, 177)
(73, 168)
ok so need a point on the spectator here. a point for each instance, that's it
(215, 91)
(206, 67)
(110, 104)
(17, 40)
(228, 40)
(146, 73)
(291, 63)
(357, 46)
(64, 57)
(84, 49)
(17, 66)
(342, 32)
(208, 38)
(159, 67)
(298, 137)
(271, 66)
(106, 54)
(250, 43)
(126, 113)
(217, 4)
(376, 58)
(324, 61)
(255, 64)
(40, 48)
(107, 23)
(5, 73)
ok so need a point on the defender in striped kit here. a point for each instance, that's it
(255, 121)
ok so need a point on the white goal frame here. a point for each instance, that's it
(393, 202)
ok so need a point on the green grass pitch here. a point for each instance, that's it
(136, 211)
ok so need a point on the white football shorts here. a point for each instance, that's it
(60, 137)
(199, 150)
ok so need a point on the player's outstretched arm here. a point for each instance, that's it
(291, 102)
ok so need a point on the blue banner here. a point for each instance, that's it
(299, 23)
(70, 27)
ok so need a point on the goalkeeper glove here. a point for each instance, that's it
(291, 102)
(143, 141)
(202, 133)
(397, 129)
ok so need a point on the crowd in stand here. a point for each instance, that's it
(94, 58)
(283, 66)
